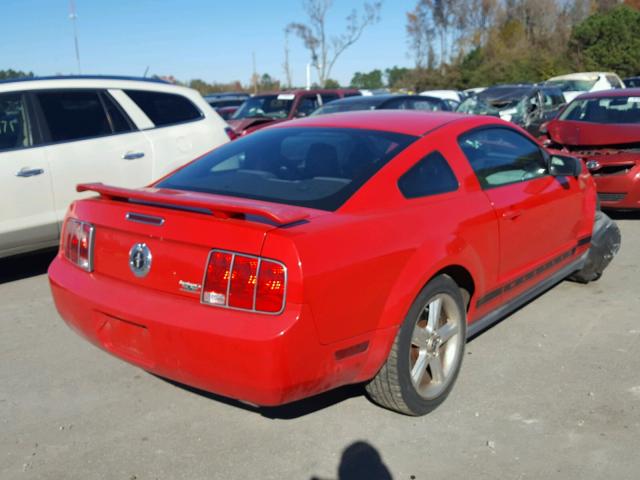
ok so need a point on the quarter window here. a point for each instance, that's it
(14, 124)
(430, 176)
(164, 108)
(501, 156)
(74, 115)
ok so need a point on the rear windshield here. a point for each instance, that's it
(573, 85)
(604, 110)
(309, 167)
(271, 106)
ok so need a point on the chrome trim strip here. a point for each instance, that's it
(255, 292)
(146, 219)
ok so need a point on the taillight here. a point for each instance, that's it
(231, 133)
(244, 282)
(77, 243)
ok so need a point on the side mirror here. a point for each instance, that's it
(564, 166)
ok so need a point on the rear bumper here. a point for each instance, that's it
(619, 191)
(264, 360)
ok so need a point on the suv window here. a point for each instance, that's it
(14, 123)
(164, 108)
(307, 105)
(119, 121)
(614, 82)
(430, 176)
(501, 156)
(74, 115)
(310, 167)
(329, 97)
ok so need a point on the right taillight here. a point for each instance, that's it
(245, 282)
(77, 243)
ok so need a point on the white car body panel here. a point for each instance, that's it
(34, 206)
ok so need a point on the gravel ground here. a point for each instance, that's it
(551, 392)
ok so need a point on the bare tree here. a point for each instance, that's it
(286, 67)
(326, 51)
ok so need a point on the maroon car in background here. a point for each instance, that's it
(603, 129)
(268, 108)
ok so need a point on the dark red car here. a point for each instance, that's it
(268, 108)
(338, 249)
(603, 128)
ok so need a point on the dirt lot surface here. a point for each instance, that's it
(553, 391)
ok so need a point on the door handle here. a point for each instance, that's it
(29, 172)
(511, 214)
(132, 155)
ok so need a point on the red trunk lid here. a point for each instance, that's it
(179, 229)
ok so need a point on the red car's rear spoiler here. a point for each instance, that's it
(219, 205)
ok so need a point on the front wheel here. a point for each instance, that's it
(427, 353)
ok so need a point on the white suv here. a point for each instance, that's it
(58, 132)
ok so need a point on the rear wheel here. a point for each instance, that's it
(427, 353)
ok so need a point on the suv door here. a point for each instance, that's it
(91, 140)
(539, 215)
(27, 219)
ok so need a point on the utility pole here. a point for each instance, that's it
(254, 77)
(74, 17)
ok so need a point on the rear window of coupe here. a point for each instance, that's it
(310, 167)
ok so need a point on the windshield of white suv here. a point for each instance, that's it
(604, 110)
(272, 106)
(573, 85)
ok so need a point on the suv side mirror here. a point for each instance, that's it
(564, 166)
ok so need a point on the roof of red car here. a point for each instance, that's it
(409, 122)
(618, 92)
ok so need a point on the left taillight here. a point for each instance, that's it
(77, 243)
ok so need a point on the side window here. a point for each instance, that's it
(119, 122)
(501, 156)
(430, 176)
(164, 108)
(74, 115)
(14, 123)
(613, 81)
(307, 105)
(328, 97)
(422, 104)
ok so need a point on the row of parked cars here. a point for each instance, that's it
(363, 247)
(610, 155)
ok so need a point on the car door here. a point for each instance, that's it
(27, 219)
(539, 215)
(91, 140)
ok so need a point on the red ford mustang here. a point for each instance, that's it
(603, 128)
(359, 247)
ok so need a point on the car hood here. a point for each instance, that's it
(569, 133)
(250, 123)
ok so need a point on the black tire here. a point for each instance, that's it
(605, 243)
(393, 387)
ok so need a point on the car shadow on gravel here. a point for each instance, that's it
(285, 412)
(25, 266)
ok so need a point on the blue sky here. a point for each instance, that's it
(208, 39)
